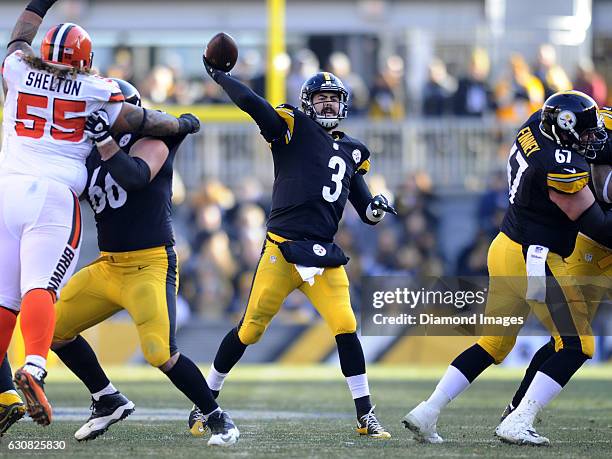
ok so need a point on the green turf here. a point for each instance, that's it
(579, 422)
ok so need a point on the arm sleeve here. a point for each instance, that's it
(597, 224)
(131, 173)
(568, 178)
(271, 124)
(360, 197)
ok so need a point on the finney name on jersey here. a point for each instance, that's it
(49, 82)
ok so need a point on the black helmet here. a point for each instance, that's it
(130, 93)
(324, 81)
(572, 120)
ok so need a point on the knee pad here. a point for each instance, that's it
(250, 332)
(497, 347)
(156, 352)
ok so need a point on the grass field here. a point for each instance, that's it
(307, 412)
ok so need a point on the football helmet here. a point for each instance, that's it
(130, 93)
(67, 45)
(572, 120)
(324, 81)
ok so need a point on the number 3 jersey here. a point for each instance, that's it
(135, 219)
(536, 165)
(44, 121)
(312, 177)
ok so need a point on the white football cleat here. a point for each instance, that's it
(517, 429)
(223, 430)
(422, 422)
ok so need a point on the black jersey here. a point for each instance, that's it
(312, 177)
(134, 220)
(537, 164)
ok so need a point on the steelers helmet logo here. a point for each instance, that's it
(319, 250)
(566, 120)
(125, 140)
(356, 155)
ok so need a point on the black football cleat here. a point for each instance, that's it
(12, 409)
(105, 412)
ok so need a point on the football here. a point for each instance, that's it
(222, 52)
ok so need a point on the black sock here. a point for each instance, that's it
(563, 364)
(6, 376)
(187, 378)
(473, 361)
(230, 352)
(352, 363)
(82, 361)
(541, 356)
(363, 405)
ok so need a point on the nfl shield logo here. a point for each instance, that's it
(356, 156)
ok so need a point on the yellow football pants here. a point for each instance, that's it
(507, 293)
(275, 279)
(143, 282)
(592, 263)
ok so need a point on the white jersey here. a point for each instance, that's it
(44, 121)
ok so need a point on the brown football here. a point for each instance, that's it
(222, 52)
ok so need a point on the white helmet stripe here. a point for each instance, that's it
(58, 41)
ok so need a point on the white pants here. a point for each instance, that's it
(40, 236)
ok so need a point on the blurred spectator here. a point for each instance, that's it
(472, 260)
(340, 65)
(159, 87)
(519, 94)
(439, 90)
(493, 203)
(303, 65)
(590, 82)
(551, 74)
(474, 96)
(123, 65)
(387, 97)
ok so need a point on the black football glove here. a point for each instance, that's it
(211, 70)
(188, 124)
(381, 204)
(97, 127)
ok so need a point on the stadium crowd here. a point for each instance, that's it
(511, 93)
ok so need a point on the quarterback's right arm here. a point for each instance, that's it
(27, 26)
(272, 125)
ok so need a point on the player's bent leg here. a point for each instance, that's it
(570, 316)
(274, 279)
(12, 408)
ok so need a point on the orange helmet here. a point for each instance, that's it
(67, 44)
